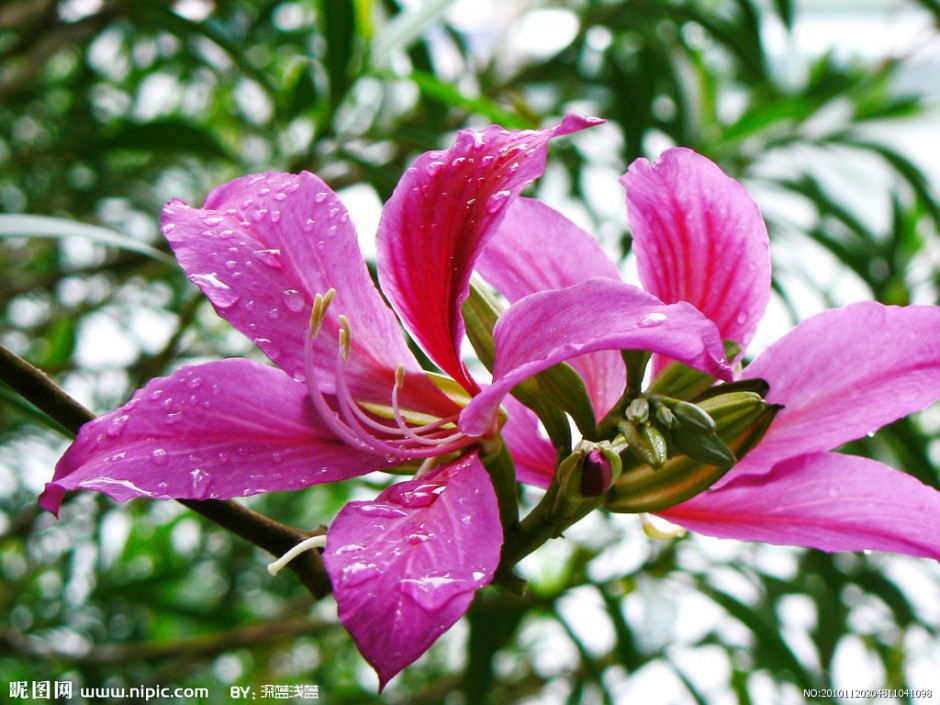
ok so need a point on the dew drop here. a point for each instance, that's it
(498, 201)
(320, 197)
(436, 589)
(294, 300)
(117, 426)
(433, 168)
(308, 225)
(231, 264)
(383, 511)
(353, 574)
(155, 394)
(158, 456)
(275, 216)
(212, 220)
(652, 320)
(175, 417)
(742, 317)
(271, 257)
(276, 458)
(414, 497)
(194, 382)
(280, 196)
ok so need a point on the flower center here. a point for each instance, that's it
(362, 428)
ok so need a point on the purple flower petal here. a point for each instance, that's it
(554, 326)
(223, 429)
(537, 249)
(699, 237)
(262, 248)
(532, 453)
(405, 567)
(844, 373)
(444, 209)
(828, 501)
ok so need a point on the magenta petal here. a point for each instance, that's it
(405, 567)
(444, 209)
(219, 430)
(532, 453)
(537, 249)
(262, 248)
(699, 237)
(828, 501)
(844, 373)
(554, 326)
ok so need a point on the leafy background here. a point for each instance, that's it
(108, 108)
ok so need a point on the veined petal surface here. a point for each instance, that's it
(443, 211)
(828, 501)
(536, 249)
(554, 326)
(532, 453)
(844, 373)
(405, 567)
(262, 248)
(214, 431)
(699, 237)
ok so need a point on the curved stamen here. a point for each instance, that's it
(313, 542)
(400, 420)
(348, 423)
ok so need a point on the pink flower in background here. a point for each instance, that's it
(278, 258)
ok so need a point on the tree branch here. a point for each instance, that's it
(275, 538)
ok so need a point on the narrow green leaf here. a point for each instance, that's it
(45, 226)
(405, 28)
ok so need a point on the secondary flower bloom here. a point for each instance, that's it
(699, 238)
(279, 260)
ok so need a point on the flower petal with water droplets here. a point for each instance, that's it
(443, 211)
(262, 248)
(828, 501)
(699, 237)
(214, 431)
(555, 326)
(537, 249)
(405, 566)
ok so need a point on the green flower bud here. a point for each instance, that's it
(692, 416)
(640, 447)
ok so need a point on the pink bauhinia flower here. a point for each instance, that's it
(699, 238)
(279, 260)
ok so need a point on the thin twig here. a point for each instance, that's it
(275, 538)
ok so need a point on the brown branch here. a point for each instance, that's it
(275, 538)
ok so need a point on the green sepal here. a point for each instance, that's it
(704, 447)
(566, 390)
(480, 313)
(681, 382)
(636, 362)
(639, 446)
(692, 416)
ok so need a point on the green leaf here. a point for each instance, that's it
(46, 226)
(405, 28)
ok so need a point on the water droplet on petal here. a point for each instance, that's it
(383, 511)
(294, 300)
(155, 394)
(273, 313)
(414, 497)
(320, 197)
(219, 292)
(194, 382)
(174, 417)
(742, 317)
(271, 258)
(116, 428)
(652, 320)
(212, 220)
(308, 225)
(276, 458)
(353, 574)
(349, 548)
(498, 201)
(436, 589)
(158, 456)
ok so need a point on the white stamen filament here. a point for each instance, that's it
(313, 542)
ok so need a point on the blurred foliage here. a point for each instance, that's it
(110, 108)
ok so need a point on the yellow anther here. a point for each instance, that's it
(400, 376)
(345, 336)
(320, 304)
